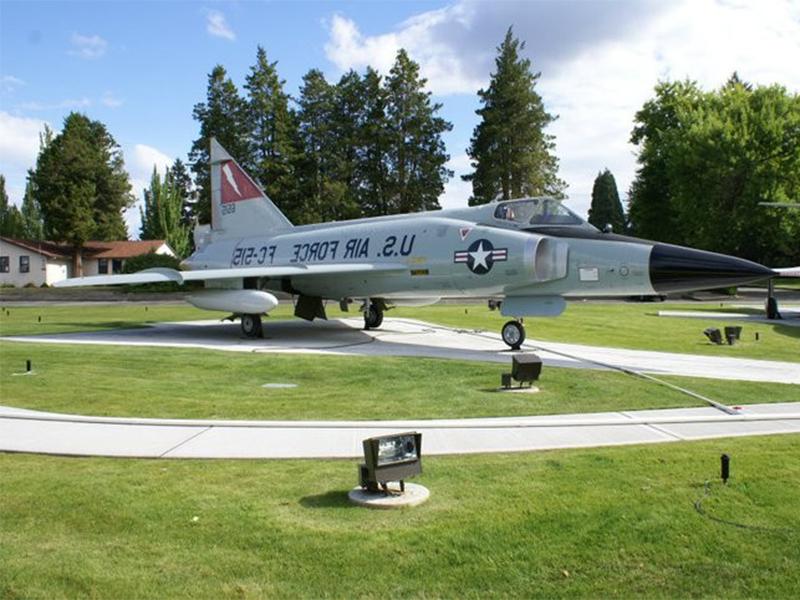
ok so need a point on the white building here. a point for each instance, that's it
(26, 262)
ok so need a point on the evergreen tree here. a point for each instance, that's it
(11, 222)
(317, 170)
(416, 153)
(348, 122)
(32, 223)
(273, 138)
(606, 207)
(511, 154)
(162, 217)
(81, 186)
(374, 143)
(223, 116)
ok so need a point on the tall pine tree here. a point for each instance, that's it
(317, 170)
(81, 185)
(11, 221)
(374, 143)
(416, 152)
(273, 139)
(606, 207)
(32, 222)
(511, 154)
(223, 116)
(162, 217)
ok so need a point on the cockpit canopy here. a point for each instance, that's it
(535, 212)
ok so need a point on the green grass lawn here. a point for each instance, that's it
(623, 325)
(176, 383)
(599, 523)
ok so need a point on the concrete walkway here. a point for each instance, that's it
(47, 433)
(407, 337)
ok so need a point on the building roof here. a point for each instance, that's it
(48, 249)
(91, 249)
(122, 249)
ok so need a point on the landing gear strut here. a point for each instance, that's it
(513, 334)
(251, 326)
(373, 316)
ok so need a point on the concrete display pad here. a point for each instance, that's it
(408, 337)
(48, 433)
(414, 495)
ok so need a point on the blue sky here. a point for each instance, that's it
(139, 67)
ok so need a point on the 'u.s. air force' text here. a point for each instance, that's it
(327, 250)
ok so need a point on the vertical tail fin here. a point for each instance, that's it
(239, 207)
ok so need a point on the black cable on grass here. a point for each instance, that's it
(718, 405)
(698, 506)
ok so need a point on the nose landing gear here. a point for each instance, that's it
(513, 334)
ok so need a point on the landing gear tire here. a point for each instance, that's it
(513, 334)
(251, 326)
(373, 317)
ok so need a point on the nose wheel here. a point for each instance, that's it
(513, 334)
(251, 326)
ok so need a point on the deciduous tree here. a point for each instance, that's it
(706, 161)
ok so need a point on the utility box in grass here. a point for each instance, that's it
(390, 458)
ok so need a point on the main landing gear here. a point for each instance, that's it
(373, 315)
(251, 326)
(513, 334)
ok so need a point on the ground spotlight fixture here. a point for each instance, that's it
(732, 334)
(525, 368)
(725, 467)
(713, 334)
(390, 458)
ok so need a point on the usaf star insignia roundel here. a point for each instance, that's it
(480, 256)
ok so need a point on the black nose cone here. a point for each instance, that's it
(679, 269)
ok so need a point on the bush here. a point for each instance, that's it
(30, 284)
(150, 261)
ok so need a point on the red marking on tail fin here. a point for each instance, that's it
(236, 184)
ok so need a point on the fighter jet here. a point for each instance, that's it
(526, 256)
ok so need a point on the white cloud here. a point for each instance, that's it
(88, 46)
(19, 147)
(217, 25)
(110, 100)
(70, 104)
(440, 63)
(139, 161)
(9, 83)
(600, 62)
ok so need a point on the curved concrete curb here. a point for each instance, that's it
(48, 433)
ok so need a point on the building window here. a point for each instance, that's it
(4, 264)
(102, 266)
(24, 264)
(116, 265)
